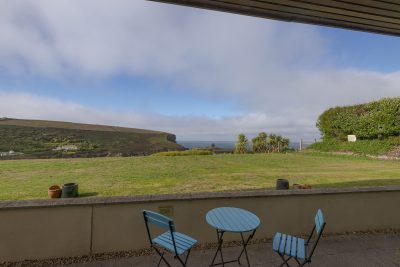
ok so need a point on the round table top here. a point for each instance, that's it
(230, 219)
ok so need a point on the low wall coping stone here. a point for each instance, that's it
(91, 201)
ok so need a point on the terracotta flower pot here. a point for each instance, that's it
(54, 191)
(297, 186)
(301, 186)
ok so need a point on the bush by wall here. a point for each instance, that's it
(374, 120)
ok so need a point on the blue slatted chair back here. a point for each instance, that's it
(319, 222)
(319, 228)
(170, 240)
(159, 220)
(151, 217)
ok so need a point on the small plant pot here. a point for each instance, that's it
(54, 191)
(69, 190)
(297, 186)
(306, 186)
(282, 184)
(301, 186)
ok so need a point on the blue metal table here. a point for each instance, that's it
(234, 220)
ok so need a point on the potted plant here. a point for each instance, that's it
(69, 190)
(54, 191)
(282, 184)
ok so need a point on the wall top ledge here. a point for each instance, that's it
(89, 201)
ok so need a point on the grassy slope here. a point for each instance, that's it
(38, 138)
(71, 126)
(29, 179)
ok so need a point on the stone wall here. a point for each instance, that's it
(71, 227)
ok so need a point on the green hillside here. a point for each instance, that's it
(52, 139)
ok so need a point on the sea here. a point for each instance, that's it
(221, 144)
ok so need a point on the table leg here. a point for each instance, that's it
(219, 249)
(245, 243)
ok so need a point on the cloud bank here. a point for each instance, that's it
(281, 75)
(24, 105)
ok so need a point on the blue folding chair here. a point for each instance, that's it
(171, 241)
(290, 247)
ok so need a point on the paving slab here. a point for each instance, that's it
(345, 250)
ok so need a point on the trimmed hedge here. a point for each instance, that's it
(374, 120)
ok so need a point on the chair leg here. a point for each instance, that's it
(187, 256)
(304, 263)
(285, 261)
(181, 261)
(159, 262)
(161, 257)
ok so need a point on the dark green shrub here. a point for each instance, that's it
(374, 120)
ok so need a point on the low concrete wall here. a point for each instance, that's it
(72, 227)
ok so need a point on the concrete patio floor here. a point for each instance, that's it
(346, 250)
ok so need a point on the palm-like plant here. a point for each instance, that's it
(241, 144)
(285, 143)
(278, 143)
(271, 142)
(256, 143)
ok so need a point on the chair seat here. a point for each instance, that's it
(182, 241)
(289, 245)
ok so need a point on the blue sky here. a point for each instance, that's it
(199, 74)
(126, 93)
(363, 50)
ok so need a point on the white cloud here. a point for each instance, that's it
(283, 74)
(28, 106)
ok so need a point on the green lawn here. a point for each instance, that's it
(29, 179)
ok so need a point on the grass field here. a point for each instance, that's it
(29, 179)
